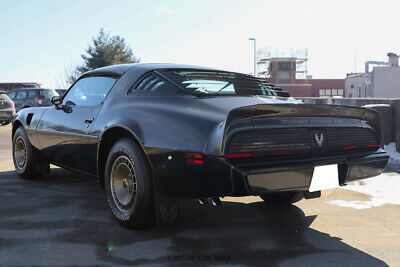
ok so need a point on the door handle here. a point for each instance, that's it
(89, 120)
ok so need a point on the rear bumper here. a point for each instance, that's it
(299, 177)
(6, 115)
(221, 177)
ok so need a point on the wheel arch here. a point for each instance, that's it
(16, 125)
(107, 140)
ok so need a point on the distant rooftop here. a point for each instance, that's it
(11, 86)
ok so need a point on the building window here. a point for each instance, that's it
(331, 92)
(328, 92)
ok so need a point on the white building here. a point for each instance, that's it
(382, 82)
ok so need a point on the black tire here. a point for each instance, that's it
(282, 198)
(21, 147)
(127, 159)
(5, 122)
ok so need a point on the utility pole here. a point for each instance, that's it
(255, 56)
(355, 60)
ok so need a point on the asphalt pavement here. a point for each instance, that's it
(62, 219)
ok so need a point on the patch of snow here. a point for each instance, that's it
(394, 162)
(382, 189)
(352, 204)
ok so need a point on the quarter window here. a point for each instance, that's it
(154, 84)
(90, 91)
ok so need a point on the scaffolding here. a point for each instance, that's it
(298, 57)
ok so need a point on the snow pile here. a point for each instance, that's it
(382, 189)
(394, 162)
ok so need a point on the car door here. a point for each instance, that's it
(64, 130)
(20, 99)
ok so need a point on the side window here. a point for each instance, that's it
(32, 94)
(21, 95)
(154, 84)
(12, 95)
(89, 91)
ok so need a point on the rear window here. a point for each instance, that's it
(204, 82)
(48, 93)
(12, 94)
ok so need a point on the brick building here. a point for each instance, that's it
(315, 88)
(282, 71)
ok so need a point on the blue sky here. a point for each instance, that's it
(40, 39)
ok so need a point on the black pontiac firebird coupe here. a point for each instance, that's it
(150, 130)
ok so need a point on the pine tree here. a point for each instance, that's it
(104, 50)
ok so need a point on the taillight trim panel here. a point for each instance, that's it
(371, 146)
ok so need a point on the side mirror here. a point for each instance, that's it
(56, 100)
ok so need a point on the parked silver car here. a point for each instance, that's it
(7, 109)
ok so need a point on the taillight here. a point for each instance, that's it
(349, 147)
(194, 158)
(372, 145)
(11, 103)
(39, 101)
(272, 153)
(282, 153)
(245, 155)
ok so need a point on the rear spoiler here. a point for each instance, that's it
(303, 110)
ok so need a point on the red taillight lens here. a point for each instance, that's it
(194, 161)
(281, 153)
(372, 145)
(245, 155)
(11, 103)
(349, 147)
(39, 101)
(194, 158)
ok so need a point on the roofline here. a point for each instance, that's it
(121, 69)
(31, 88)
(19, 83)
